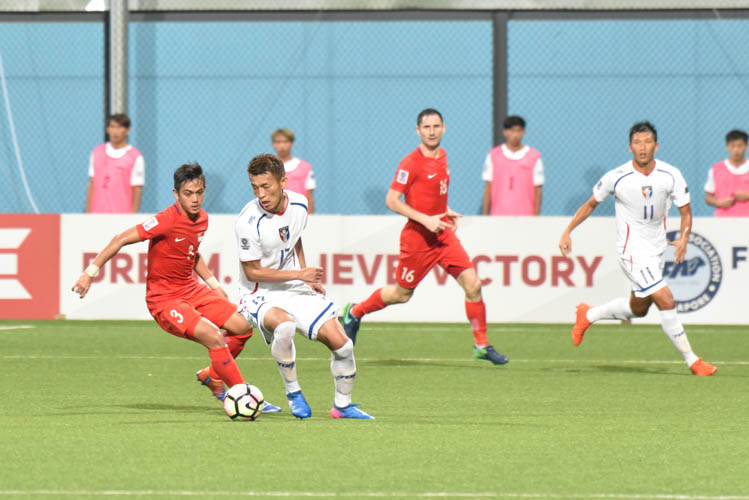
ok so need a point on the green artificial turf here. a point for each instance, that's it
(108, 409)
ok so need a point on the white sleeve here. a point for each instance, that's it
(91, 165)
(605, 187)
(488, 174)
(248, 239)
(680, 191)
(138, 176)
(310, 183)
(710, 184)
(538, 173)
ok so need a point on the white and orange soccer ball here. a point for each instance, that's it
(243, 402)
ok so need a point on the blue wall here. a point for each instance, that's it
(213, 92)
(582, 84)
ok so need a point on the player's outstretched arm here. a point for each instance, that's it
(201, 269)
(680, 244)
(82, 285)
(565, 243)
(433, 223)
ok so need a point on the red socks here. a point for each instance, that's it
(223, 364)
(476, 312)
(236, 343)
(372, 304)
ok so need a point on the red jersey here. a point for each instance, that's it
(424, 182)
(175, 239)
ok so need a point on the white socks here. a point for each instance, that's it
(615, 309)
(672, 327)
(284, 352)
(343, 368)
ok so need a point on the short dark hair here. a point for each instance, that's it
(513, 121)
(735, 135)
(284, 132)
(119, 118)
(262, 164)
(427, 112)
(188, 173)
(643, 126)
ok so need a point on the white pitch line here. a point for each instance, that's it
(443, 494)
(374, 360)
(16, 327)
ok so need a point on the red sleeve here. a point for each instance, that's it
(157, 225)
(404, 176)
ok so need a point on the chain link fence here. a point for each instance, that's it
(213, 91)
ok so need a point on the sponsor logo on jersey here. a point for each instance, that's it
(150, 223)
(283, 232)
(647, 192)
(694, 281)
(402, 177)
(245, 244)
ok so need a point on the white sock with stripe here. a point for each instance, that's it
(673, 329)
(615, 309)
(284, 352)
(343, 368)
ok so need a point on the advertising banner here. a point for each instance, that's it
(29, 266)
(524, 277)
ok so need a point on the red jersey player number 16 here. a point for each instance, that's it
(419, 193)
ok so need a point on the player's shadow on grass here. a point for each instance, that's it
(168, 407)
(632, 369)
(418, 362)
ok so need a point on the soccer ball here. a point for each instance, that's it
(243, 402)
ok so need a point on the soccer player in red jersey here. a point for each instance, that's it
(428, 238)
(178, 302)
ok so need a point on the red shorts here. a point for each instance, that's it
(180, 316)
(413, 265)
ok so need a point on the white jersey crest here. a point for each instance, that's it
(642, 203)
(270, 238)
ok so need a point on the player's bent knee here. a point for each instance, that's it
(238, 325)
(345, 351)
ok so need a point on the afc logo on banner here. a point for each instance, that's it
(29, 266)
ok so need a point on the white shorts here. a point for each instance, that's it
(309, 309)
(644, 273)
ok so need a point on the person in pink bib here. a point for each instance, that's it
(513, 174)
(299, 174)
(727, 186)
(116, 171)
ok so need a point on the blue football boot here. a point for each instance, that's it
(270, 408)
(350, 322)
(298, 405)
(351, 411)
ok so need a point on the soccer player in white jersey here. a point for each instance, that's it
(279, 294)
(643, 191)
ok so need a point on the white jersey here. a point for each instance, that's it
(642, 203)
(270, 238)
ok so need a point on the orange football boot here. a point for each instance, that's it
(581, 323)
(216, 386)
(703, 368)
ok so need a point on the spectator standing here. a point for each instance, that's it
(116, 171)
(513, 174)
(299, 174)
(727, 186)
